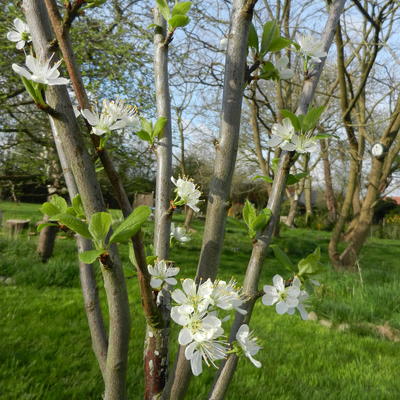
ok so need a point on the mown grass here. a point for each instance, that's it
(45, 350)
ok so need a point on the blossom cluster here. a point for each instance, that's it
(196, 310)
(186, 193)
(284, 136)
(19, 34)
(287, 298)
(114, 115)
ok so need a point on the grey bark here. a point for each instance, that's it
(162, 220)
(250, 286)
(226, 148)
(85, 177)
(86, 271)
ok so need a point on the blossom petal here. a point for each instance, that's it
(21, 71)
(185, 337)
(281, 307)
(171, 281)
(256, 363)
(14, 36)
(155, 283)
(189, 287)
(196, 363)
(91, 117)
(20, 45)
(269, 300)
(179, 296)
(274, 141)
(277, 280)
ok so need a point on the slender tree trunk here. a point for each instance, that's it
(308, 199)
(376, 181)
(294, 201)
(344, 213)
(86, 271)
(250, 286)
(226, 152)
(329, 192)
(156, 342)
(85, 177)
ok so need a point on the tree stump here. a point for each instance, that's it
(47, 238)
(15, 226)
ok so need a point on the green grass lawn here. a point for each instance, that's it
(45, 350)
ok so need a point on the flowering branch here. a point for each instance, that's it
(260, 247)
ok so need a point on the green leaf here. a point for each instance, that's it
(293, 179)
(99, 226)
(282, 257)
(159, 127)
(265, 178)
(71, 211)
(249, 213)
(181, 8)
(253, 38)
(259, 223)
(74, 224)
(279, 43)
(131, 225)
(90, 256)
(322, 136)
(164, 9)
(144, 135)
(267, 212)
(311, 118)
(49, 209)
(78, 206)
(31, 90)
(59, 202)
(178, 21)
(146, 125)
(268, 71)
(131, 255)
(310, 265)
(293, 118)
(270, 32)
(150, 260)
(41, 226)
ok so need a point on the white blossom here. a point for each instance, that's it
(187, 192)
(196, 298)
(311, 47)
(284, 297)
(103, 122)
(248, 343)
(284, 71)
(227, 296)
(208, 350)
(119, 110)
(301, 144)
(19, 34)
(179, 233)
(161, 273)
(41, 72)
(303, 296)
(196, 326)
(281, 133)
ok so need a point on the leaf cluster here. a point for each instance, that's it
(255, 223)
(98, 228)
(150, 132)
(176, 18)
